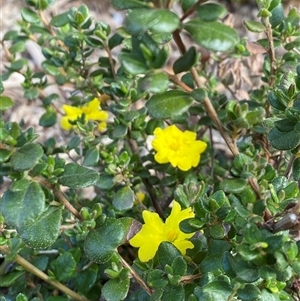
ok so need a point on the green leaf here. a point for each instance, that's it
(154, 82)
(18, 64)
(284, 140)
(9, 279)
(246, 272)
(10, 35)
(76, 176)
(119, 131)
(124, 198)
(185, 62)
(4, 155)
(29, 15)
(277, 15)
(91, 157)
(127, 4)
(5, 103)
(211, 263)
(173, 293)
(233, 185)
(167, 253)
(48, 119)
(211, 11)
(101, 243)
(267, 296)
(26, 156)
(60, 20)
(115, 289)
(50, 68)
(105, 181)
(254, 26)
(68, 263)
(86, 279)
(296, 169)
(43, 231)
(17, 47)
(249, 293)
(22, 206)
(21, 297)
(179, 266)
(132, 63)
(169, 104)
(31, 93)
(140, 20)
(215, 290)
(214, 36)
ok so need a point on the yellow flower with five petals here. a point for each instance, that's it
(91, 111)
(179, 148)
(155, 231)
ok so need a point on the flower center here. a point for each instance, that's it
(172, 235)
(85, 110)
(174, 145)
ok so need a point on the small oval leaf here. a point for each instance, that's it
(214, 36)
(169, 104)
(124, 198)
(101, 242)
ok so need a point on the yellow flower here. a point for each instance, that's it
(155, 231)
(179, 148)
(91, 111)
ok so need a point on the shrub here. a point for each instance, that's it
(188, 135)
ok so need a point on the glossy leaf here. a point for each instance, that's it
(101, 243)
(29, 15)
(154, 82)
(5, 103)
(284, 140)
(43, 231)
(13, 204)
(233, 185)
(67, 261)
(124, 198)
(169, 104)
(185, 62)
(254, 26)
(26, 156)
(132, 64)
(211, 11)
(76, 176)
(140, 20)
(127, 4)
(214, 36)
(115, 289)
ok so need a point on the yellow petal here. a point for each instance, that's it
(148, 250)
(102, 126)
(65, 124)
(93, 105)
(154, 222)
(72, 111)
(98, 115)
(182, 245)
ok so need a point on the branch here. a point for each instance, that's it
(35, 271)
(271, 51)
(60, 196)
(137, 277)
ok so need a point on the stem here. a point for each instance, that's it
(35, 271)
(271, 51)
(137, 277)
(210, 109)
(60, 196)
(149, 188)
(191, 10)
(111, 61)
